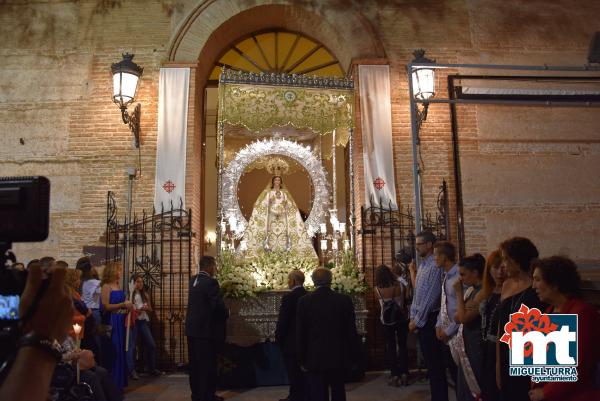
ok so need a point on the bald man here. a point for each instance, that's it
(327, 340)
(285, 335)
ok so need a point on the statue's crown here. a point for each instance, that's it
(277, 166)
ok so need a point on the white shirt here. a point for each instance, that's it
(139, 303)
(90, 293)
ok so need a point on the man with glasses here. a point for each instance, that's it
(424, 312)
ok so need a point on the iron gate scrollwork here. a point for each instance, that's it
(387, 237)
(158, 247)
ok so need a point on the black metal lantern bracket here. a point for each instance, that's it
(133, 120)
(127, 66)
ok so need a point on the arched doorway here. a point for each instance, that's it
(271, 51)
(279, 51)
(209, 33)
(211, 28)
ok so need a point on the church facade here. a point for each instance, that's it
(525, 169)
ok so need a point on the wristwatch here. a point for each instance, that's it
(45, 344)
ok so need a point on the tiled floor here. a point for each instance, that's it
(373, 388)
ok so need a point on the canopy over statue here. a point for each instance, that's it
(264, 116)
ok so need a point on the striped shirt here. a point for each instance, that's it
(428, 291)
(451, 303)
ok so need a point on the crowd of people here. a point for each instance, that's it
(93, 359)
(459, 311)
(457, 308)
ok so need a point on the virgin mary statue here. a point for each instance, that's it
(276, 224)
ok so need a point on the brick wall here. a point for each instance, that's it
(55, 93)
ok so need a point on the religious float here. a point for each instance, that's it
(285, 201)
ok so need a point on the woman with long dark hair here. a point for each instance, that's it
(469, 350)
(143, 306)
(517, 255)
(392, 294)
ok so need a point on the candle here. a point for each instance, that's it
(323, 244)
(233, 223)
(77, 330)
(323, 228)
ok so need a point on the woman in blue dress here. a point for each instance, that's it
(114, 307)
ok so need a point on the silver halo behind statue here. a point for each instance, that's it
(261, 148)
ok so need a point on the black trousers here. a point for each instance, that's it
(202, 353)
(296, 378)
(396, 352)
(319, 384)
(434, 355)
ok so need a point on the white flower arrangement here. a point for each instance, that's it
(235, 278)
(271, 269)
(241, 278)
(347, 277)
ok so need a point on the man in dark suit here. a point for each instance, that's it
(327, 340)
(205, 330)
(285, 335)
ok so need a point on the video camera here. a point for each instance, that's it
(24, 217)
(405, 256)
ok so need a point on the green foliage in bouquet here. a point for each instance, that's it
(347, 277)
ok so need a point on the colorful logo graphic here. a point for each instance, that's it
(542, 345)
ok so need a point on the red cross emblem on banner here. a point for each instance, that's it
(169, 186)
(379, 183)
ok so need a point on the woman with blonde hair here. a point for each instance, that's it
(114, 307)
(72, 280)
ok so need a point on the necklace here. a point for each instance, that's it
(512, 301)
(490, 310)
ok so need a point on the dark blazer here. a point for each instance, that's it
(326, 331)
(206, 312)
(285, 332)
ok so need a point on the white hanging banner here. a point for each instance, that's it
(376, 126)
(173, 90)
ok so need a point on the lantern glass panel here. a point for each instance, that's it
(423, 83)
(125, 85)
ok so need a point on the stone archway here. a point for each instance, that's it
(213, 26)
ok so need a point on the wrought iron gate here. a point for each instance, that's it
(387, 236)
(158, 247)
